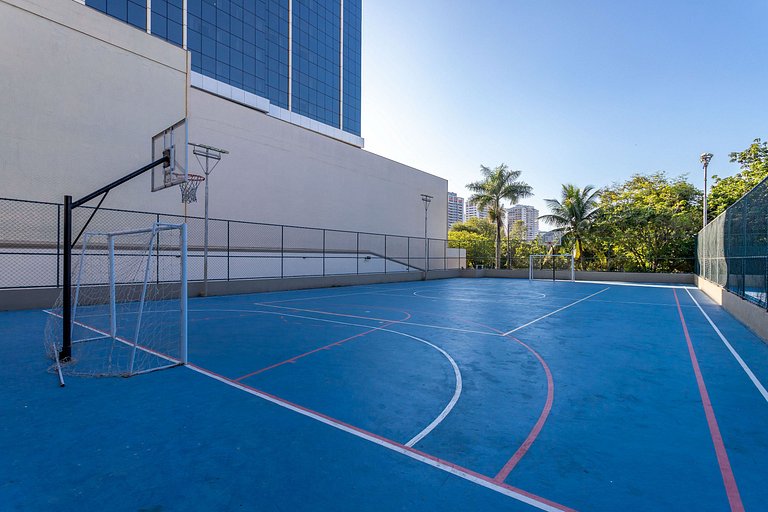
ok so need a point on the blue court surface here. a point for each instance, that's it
(450, 395)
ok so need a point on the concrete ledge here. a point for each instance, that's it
(751, 315)
(636, 277)
(28, 298)
(37, 298)
(299, 283)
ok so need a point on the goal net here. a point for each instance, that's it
(553, 267)
(129, 304)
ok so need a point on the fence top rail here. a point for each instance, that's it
(231, 221)
(29, 201)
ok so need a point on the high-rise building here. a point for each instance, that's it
(301, 56)
(455, 209)
(473, 211)
(274, 82)
(528, 215)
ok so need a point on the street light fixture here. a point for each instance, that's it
(427, 199)
(705, 158)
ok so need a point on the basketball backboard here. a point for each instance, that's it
(174, 141)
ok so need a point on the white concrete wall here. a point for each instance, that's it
(280, 173)
(83, 94)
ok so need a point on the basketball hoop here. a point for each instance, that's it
(189, 188)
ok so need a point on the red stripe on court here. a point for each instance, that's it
(731, 489)
(534, 433)
(386, 441)
(520, 453)
(326, 347)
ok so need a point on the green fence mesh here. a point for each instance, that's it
(732, 250)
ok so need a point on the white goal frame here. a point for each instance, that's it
(571, 268)
(132, 342)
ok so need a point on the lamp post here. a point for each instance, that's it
(509, 246)
(705, 158)
(427, 199)
(209, 153)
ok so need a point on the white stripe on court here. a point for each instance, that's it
(385, 443)
(640, 285)
(517, 296)
(553, 312)
(735, 354)
(455, 398)
(403, 322)
(456, 372)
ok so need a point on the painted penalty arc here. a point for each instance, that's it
(457, 373)
(466, 474)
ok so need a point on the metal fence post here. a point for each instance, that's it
(228, 248)
(409, 253)
(357, 253)
(323, 251)
(385, 254)
(157, 252)
(282, 252)
(58, 245)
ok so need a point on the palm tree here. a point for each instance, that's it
(497, 185)
(574, 213)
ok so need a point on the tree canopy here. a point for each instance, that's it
(754, 169)
(573, 214)
(650, 219)
(498, 184)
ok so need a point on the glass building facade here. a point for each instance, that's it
(301, 55)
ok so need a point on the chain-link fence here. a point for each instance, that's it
(31, 252)
(732, 250)
(480, 253)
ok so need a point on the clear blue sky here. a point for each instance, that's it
(586, 92)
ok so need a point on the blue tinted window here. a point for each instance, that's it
(352, 66)
(167, 20)
(245, 43)
(133, 12)
(317, 60)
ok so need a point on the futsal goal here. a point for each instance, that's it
(552, 267)
(129, 304)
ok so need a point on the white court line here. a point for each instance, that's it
(553, 312)
(455, 398)
(641, 303)
(456, 372)
(386, 443)
(735, 354)
(118, 338)
(517, 296)
(640, 285)
(416, 324)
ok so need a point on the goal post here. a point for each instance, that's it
(551, 267)
(129, 303)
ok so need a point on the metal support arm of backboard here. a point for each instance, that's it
(66, 349)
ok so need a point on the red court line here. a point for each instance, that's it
(731, 489)
(534, 433)
(382, 441)
(336, 343)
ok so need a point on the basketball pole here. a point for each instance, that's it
(65, 354)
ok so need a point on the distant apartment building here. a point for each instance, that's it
(528, 215)
(455, 209)
(473, 211)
